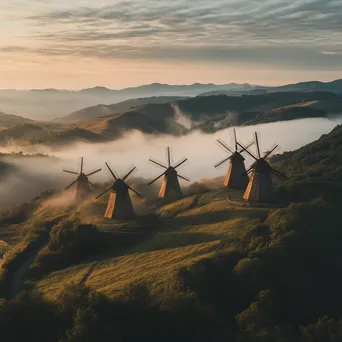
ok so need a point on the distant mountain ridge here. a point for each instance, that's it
(156, 87)
(333, 86)
(48, 104)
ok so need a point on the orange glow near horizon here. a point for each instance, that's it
(38, 72)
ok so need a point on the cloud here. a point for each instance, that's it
(34, 175)
(288, 57)
(282, 32)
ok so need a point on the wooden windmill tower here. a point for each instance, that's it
(170, 189)
(236, 177)
(260, 187)
(83, 189)
(120, 204)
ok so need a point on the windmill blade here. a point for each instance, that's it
(183, 160)
(71, 185)
(92, 185)
(277, 173)
(158, 163)
(93, 172)
(247, 172)
(111, 171)
(154, 180)
(250, 144)
(103, 193)
(257, 144)
(268, 153)
(188, 180)
(235, 140)
(129, 173)
(168, 156)
(74, 173)
(224, 145)
(221, 162)
(135, 192)
(81, 165)
(246, 150)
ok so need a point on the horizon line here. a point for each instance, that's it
(162, 84)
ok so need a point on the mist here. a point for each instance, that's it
(35, 175)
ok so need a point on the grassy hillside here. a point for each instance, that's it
(9, 120)
(188, 231)
(319, 160)
(208, 114)
(209, 267)
(105, 110)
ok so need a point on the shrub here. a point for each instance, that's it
(70, 242)
(325, 330)
(196, 188)
(18, 214)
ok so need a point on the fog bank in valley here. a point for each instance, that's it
(35, 175)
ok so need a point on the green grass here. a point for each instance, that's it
(188, 230)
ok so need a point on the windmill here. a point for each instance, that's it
(170, 189)
(236, 177)
(120, 204)
(260, 187)
(83, 189)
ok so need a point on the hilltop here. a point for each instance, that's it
(333, 86)
(48, 104)
(10, 120)
(106, 110)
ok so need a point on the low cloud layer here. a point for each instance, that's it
(37, 175)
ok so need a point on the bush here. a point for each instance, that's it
(18, 214)
(325, 330)
(196, 188)
(70, 242)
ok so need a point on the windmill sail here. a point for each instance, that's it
(170, 189)
(260, 187)
(83, 186)
(236, 177)
(119, 204)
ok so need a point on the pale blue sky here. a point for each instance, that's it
(80, 43)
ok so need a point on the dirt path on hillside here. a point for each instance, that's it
(20, 273)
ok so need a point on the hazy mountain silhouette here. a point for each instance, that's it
(334, 86)
(105, 110)
(47, 104)
(178, 117)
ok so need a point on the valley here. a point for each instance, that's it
(176, 117)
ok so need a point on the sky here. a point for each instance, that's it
(75, 44)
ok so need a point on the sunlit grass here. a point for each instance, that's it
(188, 230)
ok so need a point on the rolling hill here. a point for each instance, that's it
(208, 114)
(208, 267)
(105, 110)
(320, 160)
(48, 104)
(10, 120)
(333, 86)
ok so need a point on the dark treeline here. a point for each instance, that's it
(282, 283)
